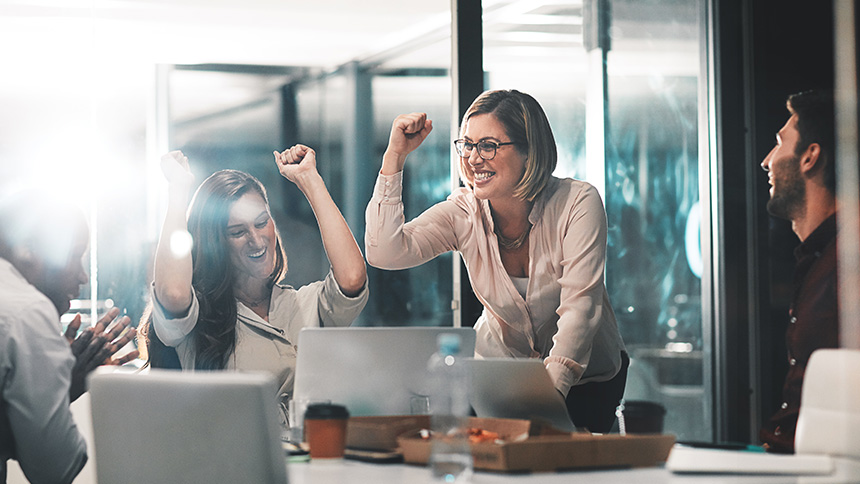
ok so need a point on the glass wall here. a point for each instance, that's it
(421, 296)
(629, 126)
(347, 115)
(645, 164)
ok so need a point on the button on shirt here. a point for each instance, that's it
(565, 317)
(36, 425)
(814, 324)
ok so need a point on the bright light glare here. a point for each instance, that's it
(679, 347)
(180, 243)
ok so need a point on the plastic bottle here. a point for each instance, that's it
(450, 456)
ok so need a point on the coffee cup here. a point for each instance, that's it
(325, 430)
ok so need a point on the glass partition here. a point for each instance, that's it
(641, 152)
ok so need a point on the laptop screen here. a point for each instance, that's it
(200, 427)
(372, 371)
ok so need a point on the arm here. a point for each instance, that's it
(391, 243)
(408, 131)
(298, 164)
(581, 307)
(173, 271)
(35, 365)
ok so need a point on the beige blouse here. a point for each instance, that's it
(267, 346)
(566, 317)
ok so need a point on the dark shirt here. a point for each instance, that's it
(812, 325)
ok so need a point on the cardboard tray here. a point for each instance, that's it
(380, 433)
(547, 449)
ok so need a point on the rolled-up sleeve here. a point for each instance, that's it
(582, 304)
(390, 242)
(336, 308)
(173, 330)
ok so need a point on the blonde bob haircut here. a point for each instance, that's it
(526, 125)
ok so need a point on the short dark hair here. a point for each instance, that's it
(816, 124)
(43, 222)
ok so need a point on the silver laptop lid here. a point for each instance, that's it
(373, 371)
(201, 427)
(516, 388)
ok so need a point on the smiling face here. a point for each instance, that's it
(56, 268)
(496, 178)
(63, 284)
(250, 235)
(787, 188)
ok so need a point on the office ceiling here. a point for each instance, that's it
(69, 63)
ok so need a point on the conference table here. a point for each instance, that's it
(349, 471)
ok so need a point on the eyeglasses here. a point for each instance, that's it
(486, 149)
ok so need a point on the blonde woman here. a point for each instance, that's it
(534, 246)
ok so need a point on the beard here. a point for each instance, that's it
(789, 192)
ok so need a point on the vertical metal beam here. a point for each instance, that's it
(467, 78)
(848, 178)
(157, 143)
(597, 42)
(732, 284)
(289, 116)
(357, 144)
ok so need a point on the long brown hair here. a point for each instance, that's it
(213, 277)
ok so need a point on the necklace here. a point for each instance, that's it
(512, 244)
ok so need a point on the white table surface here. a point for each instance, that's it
(348, 471)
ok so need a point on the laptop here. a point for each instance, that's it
(516, 388)
(372, 371)
(198, 428)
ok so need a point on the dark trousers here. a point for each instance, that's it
(592, 405)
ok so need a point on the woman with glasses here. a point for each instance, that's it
(217, 300)
(534, 246)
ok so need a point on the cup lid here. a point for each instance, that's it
(326, 411)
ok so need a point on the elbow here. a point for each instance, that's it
(173, 300)
(376, 258)
(354, 282)
(372, 258)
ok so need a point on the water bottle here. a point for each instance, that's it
(450, 456)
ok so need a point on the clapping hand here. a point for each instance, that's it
(96, 346)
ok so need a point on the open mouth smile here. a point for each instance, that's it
(482, 176)
(259, 254)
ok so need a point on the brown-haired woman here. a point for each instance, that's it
(220, 304)
(534, 246)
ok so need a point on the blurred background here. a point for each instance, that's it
(94, 92)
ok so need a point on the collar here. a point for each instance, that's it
(542, 199)
(537, 208)
(7, 266)
(820, 238)
(250, 318)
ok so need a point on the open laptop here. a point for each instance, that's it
(516, 388)
(202, 427)
(372, 371)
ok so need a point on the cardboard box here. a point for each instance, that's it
(380, 433)
(526, 447)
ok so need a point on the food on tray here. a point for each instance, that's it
(475, 435)
(480, 435)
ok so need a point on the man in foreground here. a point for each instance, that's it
(41, 247)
